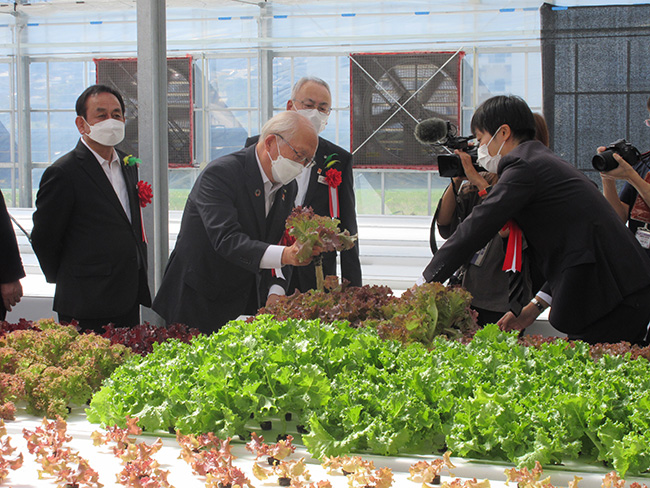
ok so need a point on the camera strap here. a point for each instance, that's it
(640, 210)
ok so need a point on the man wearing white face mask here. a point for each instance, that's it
(227, 251)
(87, 230)
(597, 275)
(311, 98)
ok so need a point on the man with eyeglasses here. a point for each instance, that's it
(633, 202)
(226, 262)
(328, 188)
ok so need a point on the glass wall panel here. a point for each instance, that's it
(367, 187)
(5, 86)
(63, 134)
(406, 193)
(66, 82)
(8, 174)
(40, 137)
(38, 85)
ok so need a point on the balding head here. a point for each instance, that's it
(289, 134)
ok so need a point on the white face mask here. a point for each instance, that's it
(484, 159)
(108, 132)
(317, 119)
(284, 170)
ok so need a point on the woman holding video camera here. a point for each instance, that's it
(482, 275)
(494, 291)
(598, 277)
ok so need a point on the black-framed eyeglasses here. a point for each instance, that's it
(304, 161)
(309, 104)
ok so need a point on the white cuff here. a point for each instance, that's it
(272, 257)
(276, 290)
(420, 281)
(545, 296)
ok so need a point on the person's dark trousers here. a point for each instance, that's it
(129, 319)
(627, 322)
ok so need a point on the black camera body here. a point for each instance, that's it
(605, 160)
(450, 165)
(438, 132)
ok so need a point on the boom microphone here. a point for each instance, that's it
(431, 131)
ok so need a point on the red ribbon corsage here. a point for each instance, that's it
(287, 239)
(333, 178)
(145, 193)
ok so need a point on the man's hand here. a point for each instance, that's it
(272, 299)
(527, 316)
(290, 256)
(11, 294)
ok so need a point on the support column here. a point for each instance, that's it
(24, 129)
(152, 137)
(265, 64)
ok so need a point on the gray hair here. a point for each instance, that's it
(306, 79)
(286, 124)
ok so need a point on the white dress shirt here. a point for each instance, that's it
(303, 183)
(114, 174)
(272, 258)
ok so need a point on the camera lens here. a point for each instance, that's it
(604, 161)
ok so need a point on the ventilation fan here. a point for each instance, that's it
(122, 74)
(391, 93)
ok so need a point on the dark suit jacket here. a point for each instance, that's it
(213, 274)
(317, 197)
(588, 257)
(84, 241)
(11, 266)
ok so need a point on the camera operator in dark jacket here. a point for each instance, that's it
(597, 273)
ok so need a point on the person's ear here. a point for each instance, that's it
(289, 105)
(506, 132)
(268, 142)
(82, 125)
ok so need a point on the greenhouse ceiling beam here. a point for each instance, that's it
(153, 136)
(309, 42)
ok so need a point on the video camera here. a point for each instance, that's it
(438, 132)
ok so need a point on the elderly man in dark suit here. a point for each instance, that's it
(311, 97)
(227, 261)
(11, 266)
(87, 232)
(598, 276)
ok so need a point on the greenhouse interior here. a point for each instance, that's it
(368, 378)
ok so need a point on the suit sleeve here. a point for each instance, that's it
(350, 263)
(54, 203)
(514, 190)
(215, 200)
(11, 266)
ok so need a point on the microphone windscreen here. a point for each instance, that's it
(430, 131)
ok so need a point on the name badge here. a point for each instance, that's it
(643, 236)
(322, 180)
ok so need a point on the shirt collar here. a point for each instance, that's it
(100, 159)
(268, 184)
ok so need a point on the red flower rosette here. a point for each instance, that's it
(333, 178)
(287, 239)
(145, 193)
